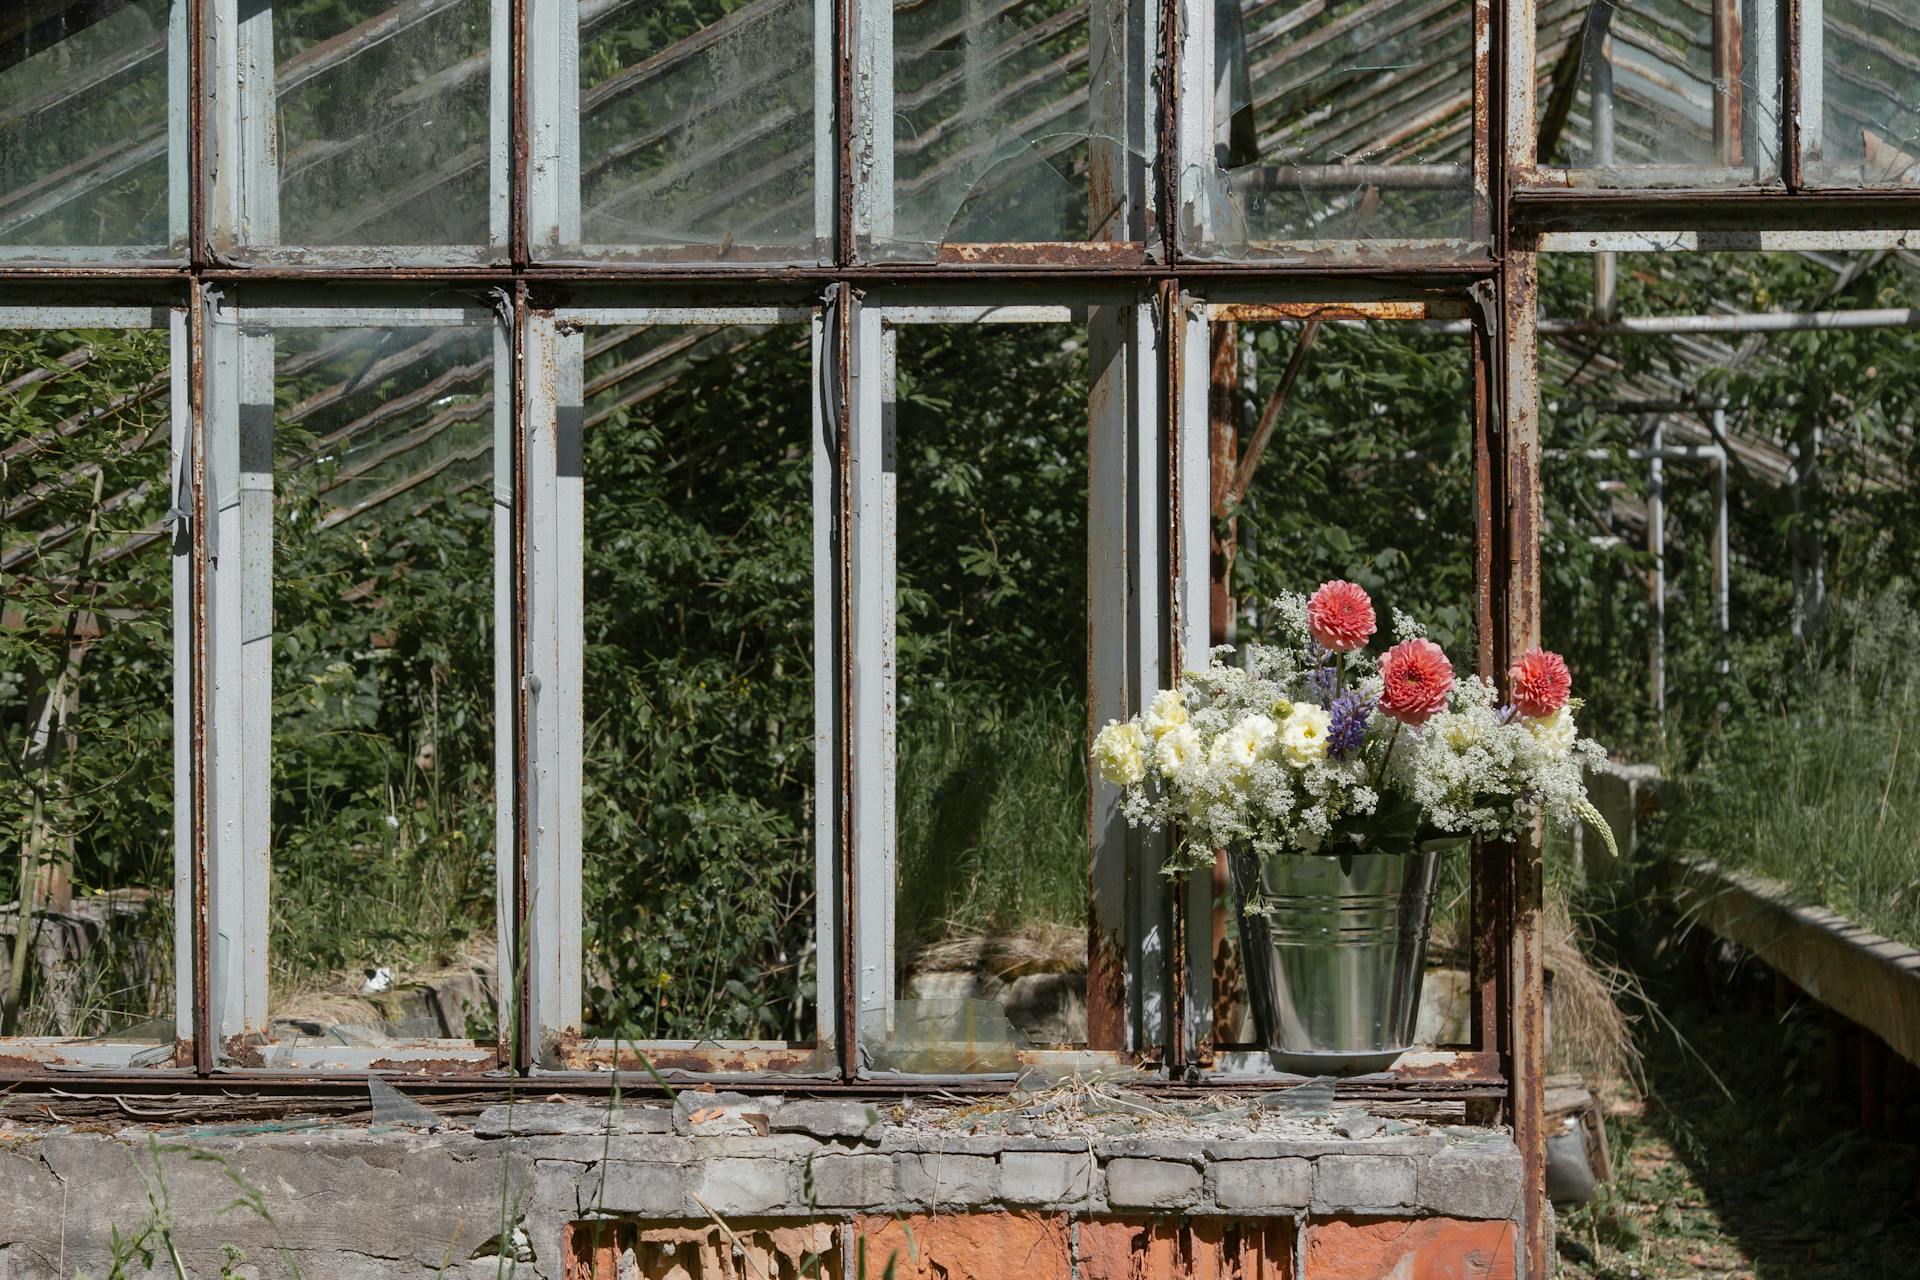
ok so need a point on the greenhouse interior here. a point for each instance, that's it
(624, 628)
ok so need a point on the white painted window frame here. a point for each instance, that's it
(107, 1054)
(553, 107)
(556, 660)
(243, 148)
(239, 411)
(1128, 467)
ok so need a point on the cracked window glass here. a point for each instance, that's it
(990, 632)
(1866, 96)
(1337, 122)
(698, 785)
(382, 769)
(1654, 93)
(87, 690)
(698, 126)
(382, 118)
(988, 122)
(83, 128)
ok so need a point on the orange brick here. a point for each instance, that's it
(1191, 1249)
(964, 1246)
(597, 1250)
(1409, 1249)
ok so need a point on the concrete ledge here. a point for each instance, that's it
(356, 1200)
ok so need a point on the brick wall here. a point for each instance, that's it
(1044, 1246)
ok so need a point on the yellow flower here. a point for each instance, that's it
(1178, 750)
(1457, 731)
(1168, 712)
(1119, 753)
(1303, 738)
(1241, 747)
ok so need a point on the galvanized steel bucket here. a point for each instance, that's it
(1334, 963)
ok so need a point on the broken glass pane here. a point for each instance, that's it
(86, 686)
(991, 696)
(383, 130)
(382, 680)
(1647, 93)
(1340, 122)
(83, 127)
(1864, 89)
(698, 127)
(698, 783)
(1002, 123)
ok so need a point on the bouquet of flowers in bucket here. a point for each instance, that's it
(1314, 746)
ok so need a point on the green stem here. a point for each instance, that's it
(1381, 772)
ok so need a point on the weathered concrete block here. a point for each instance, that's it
(1473, 1180)
(714, 1114)
(1151, 1184)
(735, 1185)
(1047, 1177)
(826, 1118)
(645, 1189)
(858, 1181)
(936, 1179)
(1263, 1186)
(1348, 1184)
(535, 1119)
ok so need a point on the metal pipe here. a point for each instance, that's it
(1722, 611)
(1745, 322)
(1657, 578)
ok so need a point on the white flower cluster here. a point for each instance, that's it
(1287, 753)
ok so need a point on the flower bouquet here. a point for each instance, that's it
(1335, 781)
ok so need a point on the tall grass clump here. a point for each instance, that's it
(992, 813)
(1820, 788)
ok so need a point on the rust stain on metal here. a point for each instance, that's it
(1043, 253)
(433, 1066)
(1421, 309)
(1106, 987)
(242, 1051)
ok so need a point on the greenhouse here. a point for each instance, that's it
(931, 638)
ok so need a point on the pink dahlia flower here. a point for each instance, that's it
(1539, 683)
(1340, 616)
(1415, 679)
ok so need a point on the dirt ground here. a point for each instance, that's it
(1740, 1154)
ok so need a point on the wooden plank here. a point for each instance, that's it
(1859, 974)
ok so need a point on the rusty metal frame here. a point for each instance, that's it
(1463, 308)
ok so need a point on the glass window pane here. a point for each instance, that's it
(87, 685)
(697, 128)
(698, 797)
(382, 753)
(990, 936)
(83, 128)
(1868, 99)
(1660, 93)
(382, 117)
(1338, 122)
(1004, 124)
(1368, 476)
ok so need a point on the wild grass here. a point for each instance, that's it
(1820, 789)
(992, 806)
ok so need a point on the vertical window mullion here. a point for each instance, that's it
(185, 712)
(830, 390)
(553, 687)
(237, 853)
(553, 106)
(1190, 518)
(871, 521)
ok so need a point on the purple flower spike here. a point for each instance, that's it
(1324, 679)
(1349, 728)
